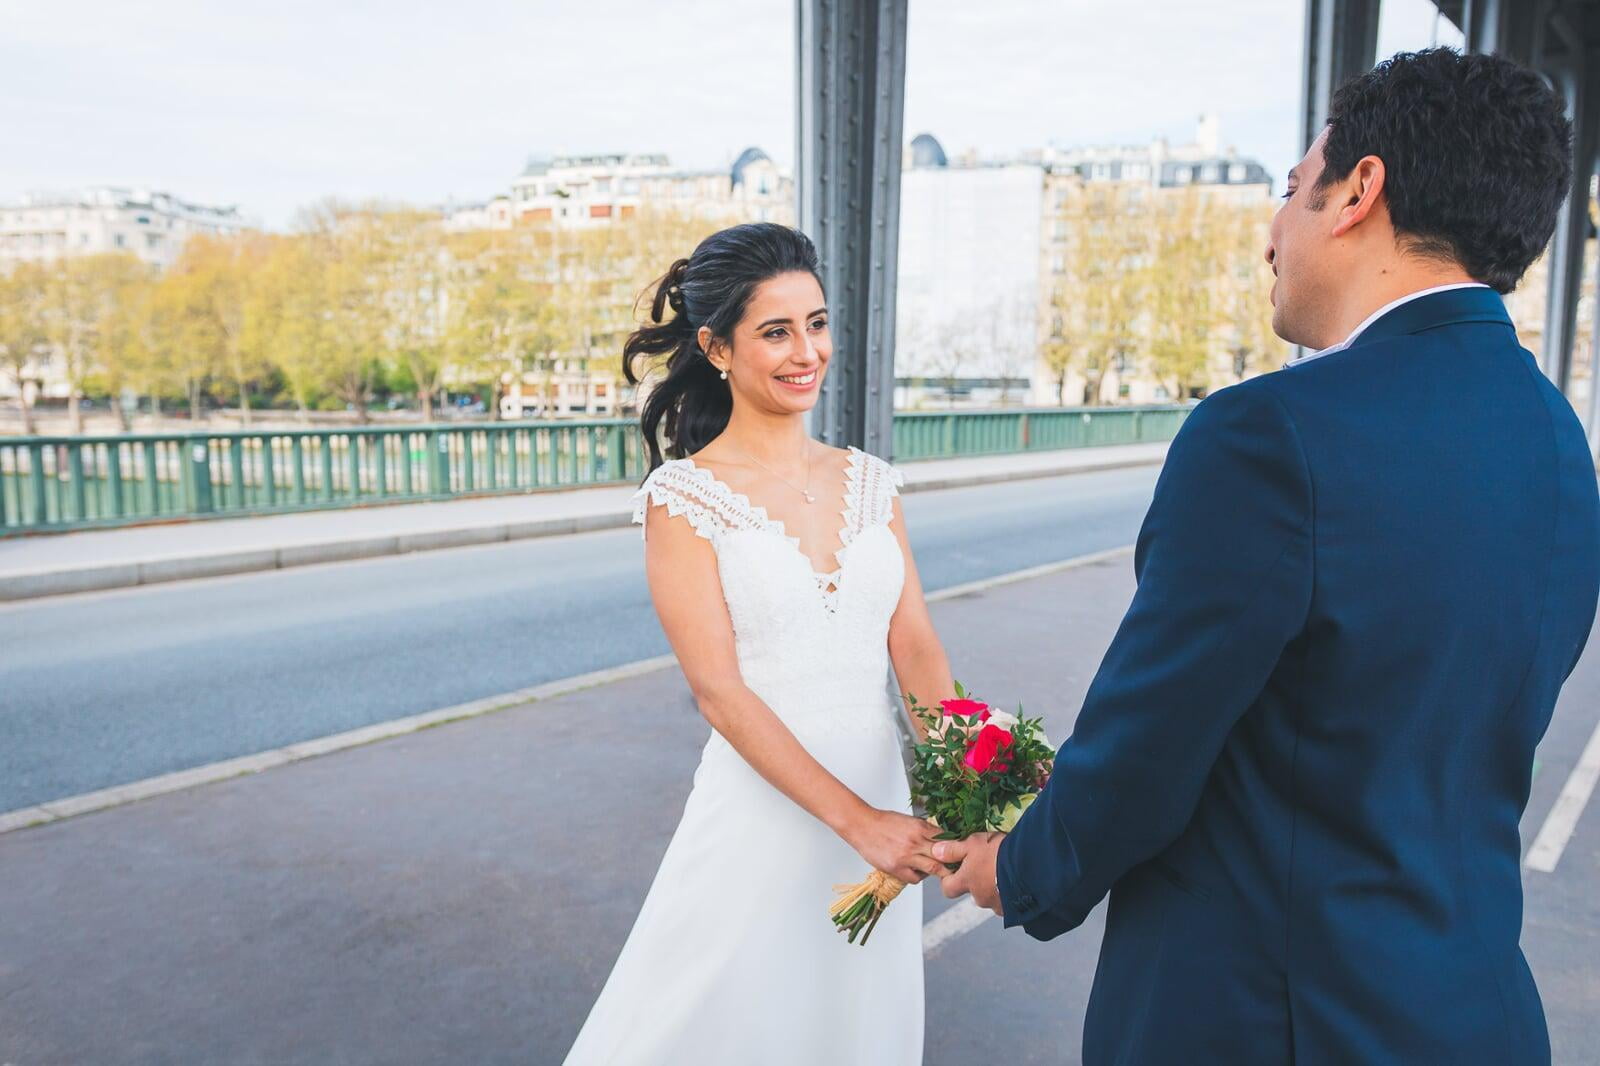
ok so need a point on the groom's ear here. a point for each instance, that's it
(1357, 195)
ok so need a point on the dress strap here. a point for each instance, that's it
(871, 486)
(687, 490)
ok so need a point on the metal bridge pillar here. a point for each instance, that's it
(851, 69)
(1341, 42)
(1582, 88)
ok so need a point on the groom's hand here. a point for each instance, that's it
(977, 856)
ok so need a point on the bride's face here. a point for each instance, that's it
(780, 348)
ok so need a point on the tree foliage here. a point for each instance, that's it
(356, 301)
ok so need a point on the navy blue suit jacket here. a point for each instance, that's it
(1300, 768)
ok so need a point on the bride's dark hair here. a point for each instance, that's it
(691, 403)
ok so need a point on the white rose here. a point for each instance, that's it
(1012, 815)
(1004, 719)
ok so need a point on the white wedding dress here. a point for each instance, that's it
(733, 959)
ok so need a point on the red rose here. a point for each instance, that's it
(965, 709)
(986, 752)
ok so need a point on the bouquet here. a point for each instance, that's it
(976, 772)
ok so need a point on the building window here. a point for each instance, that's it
(120, 241)
(599, 210)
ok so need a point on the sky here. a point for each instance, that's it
(276, 106)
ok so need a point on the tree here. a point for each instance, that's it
(285, 320)
(1184, 292)
(1008, 330)
(183, 340)
(81, 299)
(1056, 353)
(415, 269)
(24, 330)
(348, 242)
(1247, 307)
(221, 272)
(1100, 301)
(954, 344)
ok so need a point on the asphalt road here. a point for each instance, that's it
(105, 688)
(459, 894)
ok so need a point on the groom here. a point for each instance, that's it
(1362, 583)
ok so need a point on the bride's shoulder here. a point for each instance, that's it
(876, 466)
(682, 489)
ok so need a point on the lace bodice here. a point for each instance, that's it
(813, 645)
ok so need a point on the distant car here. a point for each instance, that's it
(512, 410)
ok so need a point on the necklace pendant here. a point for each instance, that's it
(809, 498)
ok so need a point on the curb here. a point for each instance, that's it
(962, 481)
(211, 773)
(36, 584)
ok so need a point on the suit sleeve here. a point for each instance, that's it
(1224, 567)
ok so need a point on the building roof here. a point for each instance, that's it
(121, 196)
(1221, 171)
(926, 151)
(748, 156)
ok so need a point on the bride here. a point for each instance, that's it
(782, 576)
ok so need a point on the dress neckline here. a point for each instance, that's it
(827, 582)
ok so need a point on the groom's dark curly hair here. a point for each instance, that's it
(1477, 154)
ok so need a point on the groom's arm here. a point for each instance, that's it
(1224, 570)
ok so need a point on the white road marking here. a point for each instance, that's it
(209, 773)
(1562, 820)
(1031, 572)
(961, 917)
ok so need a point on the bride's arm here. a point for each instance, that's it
(682, 571)
(920, 664)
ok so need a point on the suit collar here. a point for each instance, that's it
(1449, 307)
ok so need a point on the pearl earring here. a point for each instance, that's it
(724, 375)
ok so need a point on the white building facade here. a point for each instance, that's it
(576, 191)
(967, 307)
(153, 226)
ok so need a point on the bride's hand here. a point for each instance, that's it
(897, 844)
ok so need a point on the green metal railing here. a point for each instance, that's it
(948, 435)
(63, 483)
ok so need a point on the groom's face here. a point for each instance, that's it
(1303, 255)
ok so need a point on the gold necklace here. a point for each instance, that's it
(806, 492)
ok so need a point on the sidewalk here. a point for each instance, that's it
(51, 565)
(458, 894)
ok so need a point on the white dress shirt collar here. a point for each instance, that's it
(1379, 313)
